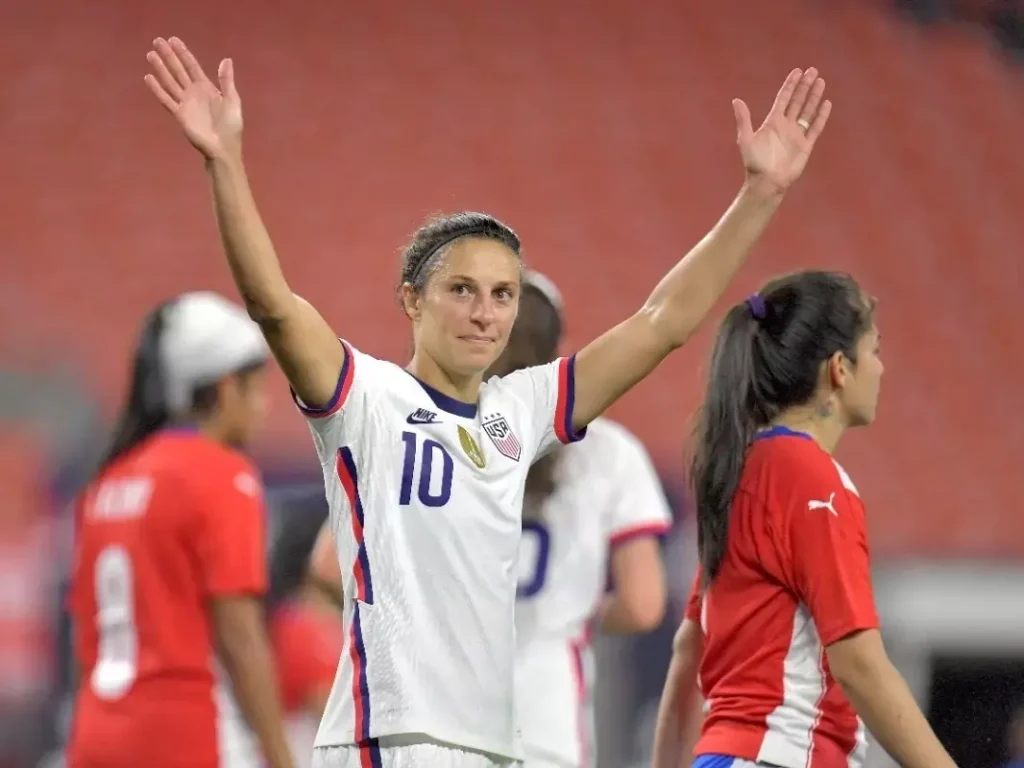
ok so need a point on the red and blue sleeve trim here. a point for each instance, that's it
(565, 402)
(337, 401)
(623, 535)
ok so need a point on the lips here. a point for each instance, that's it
(478, 339)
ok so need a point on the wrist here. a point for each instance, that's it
(227, 159)
(757, 187)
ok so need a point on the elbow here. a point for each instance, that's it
(858, 662)
(673, 322)
(644, 612)
(267, 311)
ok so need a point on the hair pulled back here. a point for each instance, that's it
(431, 242)
(766, 359)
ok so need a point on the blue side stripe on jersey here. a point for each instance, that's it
(363, 705)
(350, 483)
(714, 761)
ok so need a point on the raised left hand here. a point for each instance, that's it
(777, 152)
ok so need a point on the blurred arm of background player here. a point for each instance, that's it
(680, 714)
(882, 698)
(244, 651)
(323, 564)
(308, 351)
(637, 602)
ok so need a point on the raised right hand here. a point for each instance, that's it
(210, 117)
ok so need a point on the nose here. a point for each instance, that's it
(482, 313)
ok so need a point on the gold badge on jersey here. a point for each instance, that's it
(469, 445)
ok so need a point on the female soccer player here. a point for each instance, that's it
(425, 466)
(781, 624)
(169, 557)
(587, 506)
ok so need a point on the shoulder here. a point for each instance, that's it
(609, 444)
(203, 464)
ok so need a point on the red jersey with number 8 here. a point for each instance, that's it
(170, 525)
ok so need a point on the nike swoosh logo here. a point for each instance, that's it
(418, 420)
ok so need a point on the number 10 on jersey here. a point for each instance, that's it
(424, 456)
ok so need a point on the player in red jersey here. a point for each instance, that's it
(170, 558)
(781, 625)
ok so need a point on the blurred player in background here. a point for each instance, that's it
(583, 503)
(425, 466)
(169, 561)
(306, 627)
(781, 624)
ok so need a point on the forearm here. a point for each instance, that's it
(882, 698)
(247, 245)
(672, 732)
(250, 665)
(688, 292)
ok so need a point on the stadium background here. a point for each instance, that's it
(602, 132)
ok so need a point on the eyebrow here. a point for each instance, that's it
(468, 279)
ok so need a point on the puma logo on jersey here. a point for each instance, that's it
(421, 416)
(812, 505)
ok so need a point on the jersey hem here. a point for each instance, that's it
(451, 738)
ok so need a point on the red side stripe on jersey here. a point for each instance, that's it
(346, 467)
(565, 402)
(576, 647)
(345, 378)
(369, 748)
(637, 531)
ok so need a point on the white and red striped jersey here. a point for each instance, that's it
(607, 492)
(795, 578)
(425, 496)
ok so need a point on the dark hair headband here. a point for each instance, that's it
(757, 307)
(479, 229)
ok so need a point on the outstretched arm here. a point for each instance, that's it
(305, 346)
(774, 157)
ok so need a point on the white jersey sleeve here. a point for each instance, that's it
(546, 394)
(342, 418)
(638, 506)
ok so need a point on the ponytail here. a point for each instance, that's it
(146, 410)
(726, 425)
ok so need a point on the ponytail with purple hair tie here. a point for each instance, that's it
(757, 307)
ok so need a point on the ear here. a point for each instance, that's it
(410, 301)
(839, 370)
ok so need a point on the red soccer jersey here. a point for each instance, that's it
(308, 643)
(175, 522)
(795, 578)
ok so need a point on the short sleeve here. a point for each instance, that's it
(693, 602)
(547, 394)
(830, 563)
(337, 421)
(232, 531)
(637, 506)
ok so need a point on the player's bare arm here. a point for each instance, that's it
(211, 117)
(774, 156)
(638, 602)
(244, 650)
(881, 697)
(678, 716)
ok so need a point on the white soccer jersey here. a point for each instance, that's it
(607, 492)
(425, 494)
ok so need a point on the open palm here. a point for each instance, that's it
(778, 151)
(210, 116)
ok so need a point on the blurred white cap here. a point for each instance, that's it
(205, 338)
(546, 286)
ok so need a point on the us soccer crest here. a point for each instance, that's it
(504, 439)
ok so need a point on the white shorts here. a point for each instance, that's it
(399, 753)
